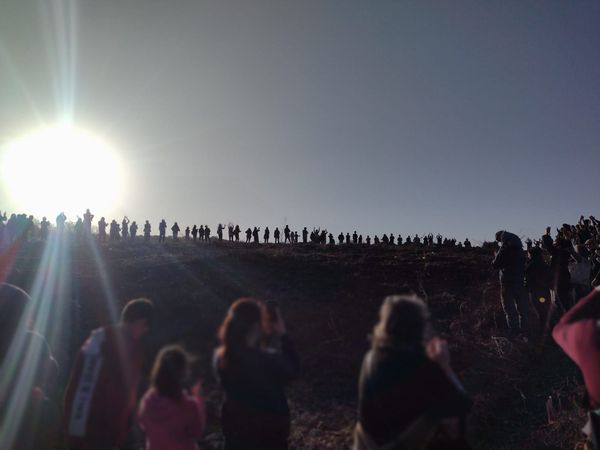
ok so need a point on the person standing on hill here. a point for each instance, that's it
(510, 261)
(220, 229)
(133, 228)
(206, 233)
(304, 235)
(101, 394)
(162, 230)
(408, 395)
(102, 229)
(44, 228)
(172, 418)
(266, 235)
(175, 229)
(125, 228)
(560, 250)
(87, 221)
(236, 233)
(286, 234)
(195, 233)
(255, 413)
(147, 231)
(248, 235)
(201, 233)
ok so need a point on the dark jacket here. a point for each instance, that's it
(398, 386)
(255, 413)
(510, 260)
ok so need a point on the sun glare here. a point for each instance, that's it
(61, 168)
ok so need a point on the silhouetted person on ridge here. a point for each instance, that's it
(385, 240)
(102, 229)
(331, 239)
(201, 233)
(236, 233)
(417, 240)
(348, 238)
(467, 243)
(125, 227)
(175, 229)
(87, 221)
(114, 230)
(206, 233)
(195, 233)
(266, 235)
(162, 230)
(304, 235)
(408, 240)
(60, 222)
(230, 232)
(355, 237)
(248, 235)
(360, 240)
(560, 251)
(399, 239)
(44, 230)
(376, 240)
(147, 231)
(78, 229)
(255, 235)
(220, 229)
(286, 234)
(276, 235)
(510, 261)
(392, 242)
(133, 228)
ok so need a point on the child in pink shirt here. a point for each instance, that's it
(171, 418)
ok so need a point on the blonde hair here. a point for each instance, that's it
(403, 321)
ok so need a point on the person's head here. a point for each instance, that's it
(499, 235)
(171, 370)
(13, 304)
(137, 315)
(241, 328)
(403, 322)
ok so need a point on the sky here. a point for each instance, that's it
(460, 117)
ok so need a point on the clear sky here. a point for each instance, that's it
(460, 117)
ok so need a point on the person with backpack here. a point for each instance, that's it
(255, 413)
(101, 394)
(409, 397)
(171, 417)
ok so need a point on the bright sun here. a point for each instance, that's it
(61, 168)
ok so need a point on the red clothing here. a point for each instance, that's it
(578, 334)
(102, 390)
(171, 424)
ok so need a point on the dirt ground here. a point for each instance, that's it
(329, 297)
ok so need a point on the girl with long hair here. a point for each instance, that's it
(171, 417)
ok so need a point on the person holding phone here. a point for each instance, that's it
(255, 413)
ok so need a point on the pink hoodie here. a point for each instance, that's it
(171, 424)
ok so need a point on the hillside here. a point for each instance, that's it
(329, 297)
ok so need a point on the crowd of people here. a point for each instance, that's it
(408, 395)
(22, 226)
(541, 280)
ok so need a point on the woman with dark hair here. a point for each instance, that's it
(172, 418)
(255, 413)
(408, 395)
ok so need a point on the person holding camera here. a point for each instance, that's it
(255, 413)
